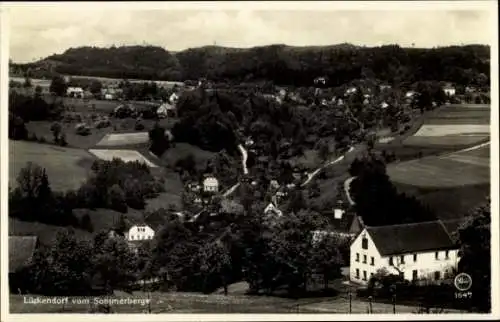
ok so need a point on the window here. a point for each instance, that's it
(364, 259)
(364, 275)
(402, 259)
(391, 262)
(357, 257)
(414, 257)
(357, 272)
(436, 255)
(414, 274)
(437, 275)
(364, 243)
(372, 261)
(447, 255)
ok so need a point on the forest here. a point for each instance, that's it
(281, 64)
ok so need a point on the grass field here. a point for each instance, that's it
(118, 139)
(438, 172)
(125, 155)
(453, 125)
(67, 168)
(45, 233)
(448, 203)
(177, 302)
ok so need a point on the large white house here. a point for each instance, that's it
(415, 251)
(139, 232)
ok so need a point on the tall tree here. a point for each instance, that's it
(58, 86)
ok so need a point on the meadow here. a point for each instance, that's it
(67, 168)
(453, 125)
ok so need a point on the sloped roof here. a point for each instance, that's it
(21, 250)
(410, 238)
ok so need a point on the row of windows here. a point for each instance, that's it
(372, 259)
(402, 257)
(139, 237)
(364, 275)
(437, 275)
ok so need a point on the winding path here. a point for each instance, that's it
(347, 187)
(244, 156)
(315, 172)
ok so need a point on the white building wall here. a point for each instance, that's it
(357, 259)
(140, 233)
(449, 91)
(426, 263)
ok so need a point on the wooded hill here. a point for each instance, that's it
(284, 65)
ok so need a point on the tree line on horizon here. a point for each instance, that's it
(283, 65)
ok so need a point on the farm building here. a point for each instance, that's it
(21, 250)
(415, 251)
(211, 184)
(75, 92)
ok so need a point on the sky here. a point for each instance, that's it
(37, 32)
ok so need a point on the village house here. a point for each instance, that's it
(350, 91)
(21, 251)
(320, 80)
(211, 184)
(415, 251)
(449, 90)
(273, 184)
(384, 105)
(384, 87)
(410, 94)
(173, 99)
(166, 110)
(272, 209)
(249, 142)
(139, 232)
(75, 92)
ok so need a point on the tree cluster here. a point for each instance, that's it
(376, 198)
(114, 184)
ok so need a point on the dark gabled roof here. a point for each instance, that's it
(21, 250)
(410, 238)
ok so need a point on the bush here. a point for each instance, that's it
(102, 123)
(82, 129)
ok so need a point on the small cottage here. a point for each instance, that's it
(211, 184)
